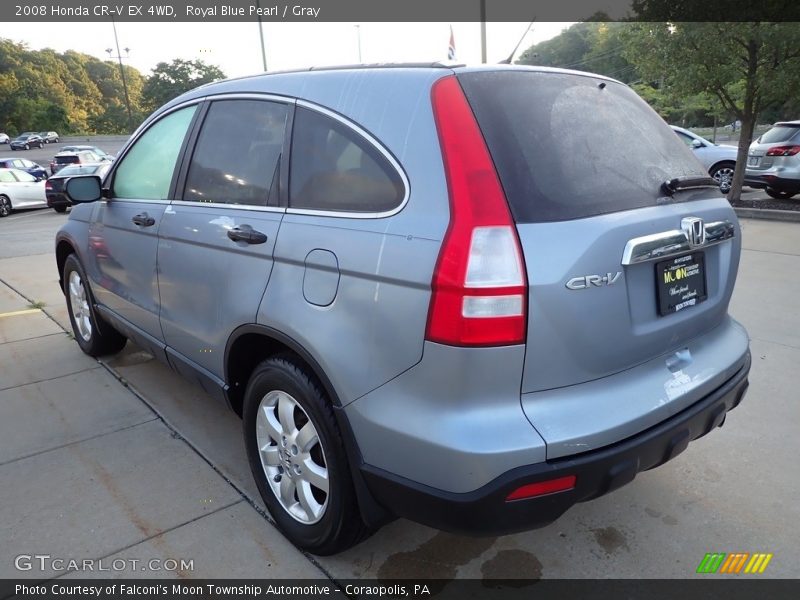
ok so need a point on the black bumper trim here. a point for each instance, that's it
(774, 182)
(485, 511)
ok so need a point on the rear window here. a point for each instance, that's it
(66, 160)
(77, 170)
(570, 146)
(780, 133)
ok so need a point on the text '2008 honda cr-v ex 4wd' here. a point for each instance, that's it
(468, 296)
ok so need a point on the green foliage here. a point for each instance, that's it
(170, 80)
(77, 93)
(590, 46)
(748, 68)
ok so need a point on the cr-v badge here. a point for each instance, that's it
(586, 281)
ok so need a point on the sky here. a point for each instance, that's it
(235, 47)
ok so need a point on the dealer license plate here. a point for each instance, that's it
(681, 282)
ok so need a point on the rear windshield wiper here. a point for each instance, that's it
(687, 183)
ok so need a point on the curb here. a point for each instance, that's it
(789, 216)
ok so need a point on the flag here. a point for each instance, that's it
(451, 48)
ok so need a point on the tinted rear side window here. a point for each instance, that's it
(237, 152)
(781, 133)
(334, 168)
(565, 147)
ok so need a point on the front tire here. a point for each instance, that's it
(298, 458)
(5, 206)
(779, 194)
(94, 335)
(60, 209)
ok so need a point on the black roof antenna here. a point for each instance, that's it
(508, 60)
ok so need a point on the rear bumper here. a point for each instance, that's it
(485, 511)
(770, 180)
(55, 199)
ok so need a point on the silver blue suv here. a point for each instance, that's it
(471, 297)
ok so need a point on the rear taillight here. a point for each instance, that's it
(479, 289)
(783, 151)
(48, 185)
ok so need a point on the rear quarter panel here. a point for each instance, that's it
(374, 328)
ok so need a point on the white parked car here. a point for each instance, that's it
(4, 139)
(719, 160)
(19, 189)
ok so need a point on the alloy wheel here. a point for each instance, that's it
(292, 457)
(724, 177)
(79, 305)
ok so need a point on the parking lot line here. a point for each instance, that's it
(17, 313)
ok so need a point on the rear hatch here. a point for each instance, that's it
(783, 135)
(582, 161)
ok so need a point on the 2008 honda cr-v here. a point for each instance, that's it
(467, 296)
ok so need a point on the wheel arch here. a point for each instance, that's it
(719, 163)
(64, 248)
(249, 345)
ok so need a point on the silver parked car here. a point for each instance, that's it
(467, 296)
(718, 159)
(773, 161)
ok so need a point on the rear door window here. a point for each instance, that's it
(237, 153)
(570, 146)
(334, 168)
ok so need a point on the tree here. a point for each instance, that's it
(593, 46)
(69, 92)
(748, 67)
(170, 80)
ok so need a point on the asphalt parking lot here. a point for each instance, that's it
(121, 458)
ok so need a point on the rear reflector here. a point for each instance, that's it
(542, 488)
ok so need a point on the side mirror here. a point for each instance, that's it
(85, 188)
(697, 144)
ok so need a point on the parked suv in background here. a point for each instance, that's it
(49, 137)
(415, 308)
(64, 158)
(719, 160)
(773, 162)
(54, 188)
(26, 141)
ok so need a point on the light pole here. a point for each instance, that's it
(261, 36)
(483, 31)
(122, 73)
(358, 35)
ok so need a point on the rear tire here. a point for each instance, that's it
(94, 335)
(298, 458)
(27, 146)
(5, 206)
(60, 209)
(778, 194)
